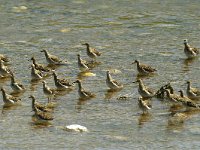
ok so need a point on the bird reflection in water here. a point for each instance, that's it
(5, 108)
(82, 75)
(110, 93)
(176, 120)
(144, 118)
(188, 61)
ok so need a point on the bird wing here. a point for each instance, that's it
(196, 91)
(45, 116)
(116, 83)
(15, 99)
(146, 104)
(192, 104)
(195, 50)
(150, 90)
(55, 58)
(87, 93)
(95, 51)
(42, 68)
(19, 85)
(148, 68)
(65, 82)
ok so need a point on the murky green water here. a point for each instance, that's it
(148, 30)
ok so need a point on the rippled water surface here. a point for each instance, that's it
(151, 31)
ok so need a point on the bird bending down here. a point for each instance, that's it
(111, 83)
(9, 100)
(189, 51)
(144, 69)
(83, 93)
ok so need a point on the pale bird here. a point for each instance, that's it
(189, 51)
(111, 83)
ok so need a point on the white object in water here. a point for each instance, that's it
(76, 127)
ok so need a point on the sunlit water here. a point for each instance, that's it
(151, 31)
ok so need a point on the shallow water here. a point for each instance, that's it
(151, 31)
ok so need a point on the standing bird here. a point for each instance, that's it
(47, 91)
(82, 64)
(40, 67)
(192, 93)
(144, 105)
(9, 100)
(144, 91)
(4, 58)
(62, 84)
(43, 116)
(190, 52)
(187, 102)
(52, 59)
(111, 83)
(42, 107)
(17, 87)
(92, 52)
(174, 98)
(4, 70)
(83, 93)
(36, 74)
(144, 69)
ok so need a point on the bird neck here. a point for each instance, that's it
(55, 77)
(168, 93)
(181, 94)
(187, 45)
(34, 61)
(46, 54)
(188, 86)
(4, 94)
(88, 47)
(79, 59)
(1, 64)
(141, 85)
(79, 86)
(33, 103)
(138, 64)
(109, 77)
(12, 79)
(32, 69)
(44, 86)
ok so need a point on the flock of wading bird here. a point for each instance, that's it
(43, 112)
